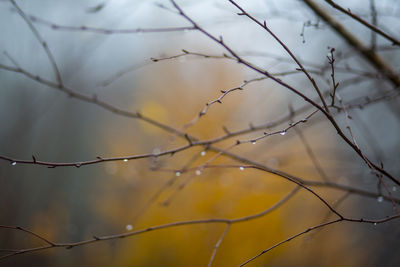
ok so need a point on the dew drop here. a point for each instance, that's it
(129, 227)
(241, 168)
(375, 224)
(282, 133)
(203, 153)
(177, 173)
(394, 189)
(13, 163)
(198, 172)
(253, 142)
(125, 160)
(156, 151)
(380, 199)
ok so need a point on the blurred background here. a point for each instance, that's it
(69, 204)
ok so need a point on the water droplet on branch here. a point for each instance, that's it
(156, 151)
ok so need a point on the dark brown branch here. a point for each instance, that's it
(364, 22)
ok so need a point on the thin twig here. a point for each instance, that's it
(331, 61)
(373, 58)
(216, 247)
(311, 155)
(317, 227)
(97, 30)
(41, 41)
(301, 67)
(149, 229)
(364, 22)
(374, 16)
(327, 114)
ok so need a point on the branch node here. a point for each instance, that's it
(188, 139)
